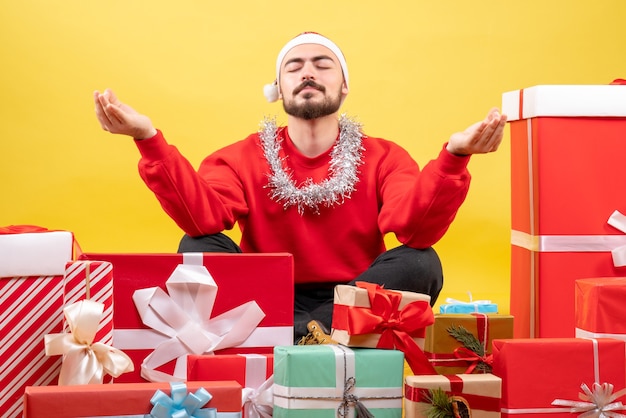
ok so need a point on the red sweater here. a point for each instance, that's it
(335, 245)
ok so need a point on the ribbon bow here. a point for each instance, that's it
(597, 404)
(351, 399)
(618, 221)
(472, 303)
(259, 402)
(184, 317)
(84, 361)
(464, 353)
(181, 404)
(396, 327)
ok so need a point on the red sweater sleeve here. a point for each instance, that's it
(419, 206)
(199, 205)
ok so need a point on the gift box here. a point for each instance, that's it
(32, 265)
(366, 315)
(126, 399)
(562, 201)
(535, 372)
(600, 309)
(480, 393)
(251, 371)
(91, 280)
(30, 307)
(454, 306)
(326, 380)
(469, 353)
(242, 280)
(87, 326)
(27, 250)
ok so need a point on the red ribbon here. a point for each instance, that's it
(27, 229)
(482, 328)
(618, 81)
(445, 359)
(397, 328)
(22, 229)
(482, 331)
(466, 354)
(476, 402)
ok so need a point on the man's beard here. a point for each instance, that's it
(309, 109)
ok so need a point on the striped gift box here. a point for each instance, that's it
(30, 307)
(32, 261)
(91, 280)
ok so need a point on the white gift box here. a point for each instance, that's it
(35, 254)
(564, 100)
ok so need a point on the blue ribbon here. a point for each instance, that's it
(182, 404)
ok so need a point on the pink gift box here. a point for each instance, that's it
(266, 279)
(562, 201)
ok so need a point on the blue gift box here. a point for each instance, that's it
(454, 306)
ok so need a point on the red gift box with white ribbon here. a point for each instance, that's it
(600, 309)
(542, 377)
(252, 371)
(168, 306)
(567, 182)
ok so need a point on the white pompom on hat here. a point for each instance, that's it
(271, 90)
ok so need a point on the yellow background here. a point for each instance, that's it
(419, 71)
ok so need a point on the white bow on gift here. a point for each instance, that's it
(618, 221)
(84, 361)
(259, 402)
(599, 403)
(471, 302)
(184, 317)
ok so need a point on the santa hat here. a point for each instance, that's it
(271, 90)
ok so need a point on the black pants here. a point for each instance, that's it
(401, 268)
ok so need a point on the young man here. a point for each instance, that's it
(318, 188)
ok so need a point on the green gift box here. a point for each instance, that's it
(322, 381)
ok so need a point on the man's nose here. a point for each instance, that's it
(308, 72)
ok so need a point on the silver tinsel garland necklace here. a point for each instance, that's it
(345, 158)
